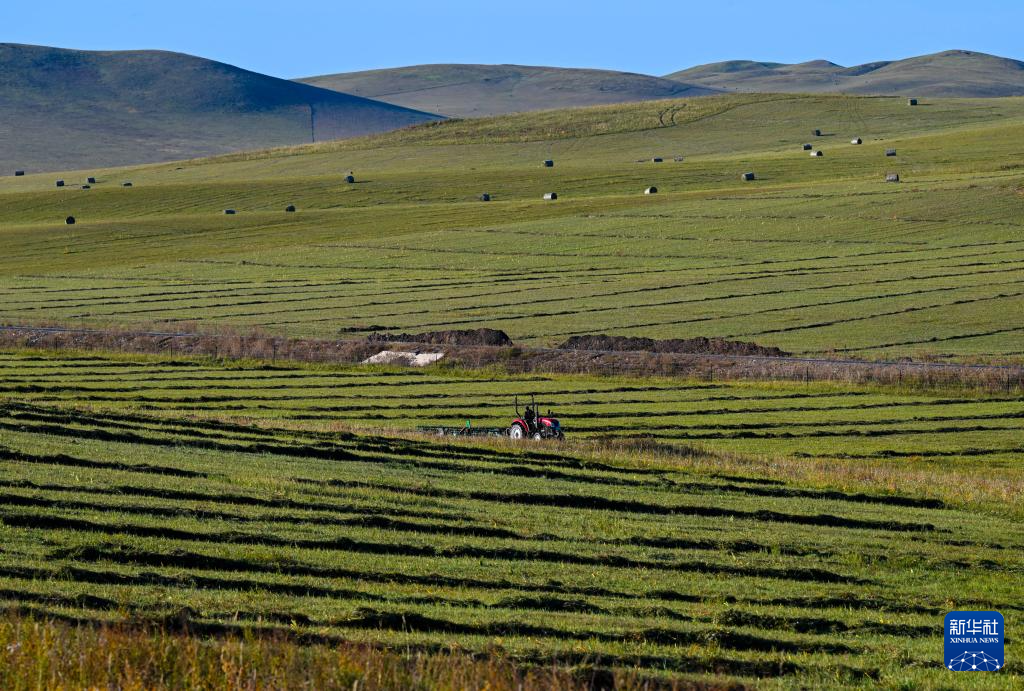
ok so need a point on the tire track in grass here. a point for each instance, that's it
(380, 518)
(936, 339)
(396, 549)
(628, 506)
(849, 320)
(539, 315)
(63, 460)
(355, 514)
(772, 310)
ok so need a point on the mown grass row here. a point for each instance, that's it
(794, 419)
(412, 546)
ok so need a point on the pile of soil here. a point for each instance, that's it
(696, 346)
(457, 337)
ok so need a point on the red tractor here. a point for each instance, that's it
(534, 425)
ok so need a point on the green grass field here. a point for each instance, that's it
(129, 493)
(816, 256)
(787, 534)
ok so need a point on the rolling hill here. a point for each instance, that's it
(77, 109)
(480, 90)
(952, 73)
(816, 256)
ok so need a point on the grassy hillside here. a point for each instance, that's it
(693, 567)
(76, 109)
(815, 256)
(952, 73)
(479, 90)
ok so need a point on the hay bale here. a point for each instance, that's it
(657, 159)
(70, 220)
(350, 179)
(807, 147)
(550, 196)
(290, 208)
(678, 159)
(126, 184)
(229, 212)
(892, 177)
(86, 187)
(485, 197)
(911, 101)
(747, 177)
(890, 152)
(549, 163)
(60, 183)
(816, 133)
(19, 173)
(817, 154)
(651, 190)
(91, 181)
(856, 140)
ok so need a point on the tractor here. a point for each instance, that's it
(534, 425)
(529, 424)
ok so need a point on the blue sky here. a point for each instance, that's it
(308, 37)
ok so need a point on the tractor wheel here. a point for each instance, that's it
(516, 432)
(537, 436)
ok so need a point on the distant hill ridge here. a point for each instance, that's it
(74, 109)
(951, 73)
(478, 90)
(482, 90)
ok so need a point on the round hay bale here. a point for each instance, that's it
(350, 179)
(290, 208)
(747, 177)
(550, 196)
(70, 220)
(229, 212)
(651, 190)
(485, 197)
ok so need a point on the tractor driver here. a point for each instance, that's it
(530, 417)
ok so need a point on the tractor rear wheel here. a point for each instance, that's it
(516, 432)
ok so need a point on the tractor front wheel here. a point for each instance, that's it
(537, 436)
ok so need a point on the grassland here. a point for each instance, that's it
(220, 501)
(816, 256)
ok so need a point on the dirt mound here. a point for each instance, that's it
(458, 337)
(697, 346)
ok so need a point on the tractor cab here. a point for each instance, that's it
(530, 423)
